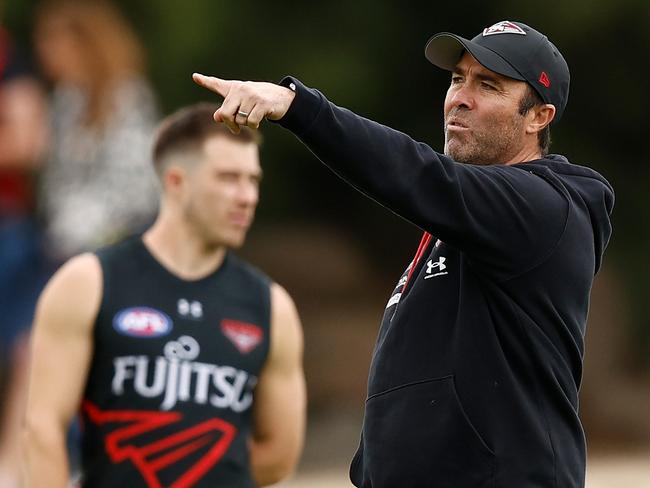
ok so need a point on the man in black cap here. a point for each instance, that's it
(475, 375)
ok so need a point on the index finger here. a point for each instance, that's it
(212, 83)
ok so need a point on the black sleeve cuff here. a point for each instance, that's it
(303, 110)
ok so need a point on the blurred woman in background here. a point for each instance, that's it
(98, 183)
(23, 271)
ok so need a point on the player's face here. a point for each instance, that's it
(223, 190)
(482, 120)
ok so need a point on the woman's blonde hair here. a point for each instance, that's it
(108, 45)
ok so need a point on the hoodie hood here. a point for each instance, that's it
(592, 188)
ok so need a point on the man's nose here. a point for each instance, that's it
(249, 193)
(462, 97)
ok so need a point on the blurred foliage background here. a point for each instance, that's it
(368, 55)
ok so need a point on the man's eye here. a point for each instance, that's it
(227, 176)
(456, 79)
(487, 86)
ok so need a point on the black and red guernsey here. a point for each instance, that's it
(170, 389)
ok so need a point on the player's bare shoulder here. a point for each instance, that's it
(72, 297)
(283, 308)
(286, 328)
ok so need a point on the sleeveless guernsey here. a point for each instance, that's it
(169, 393)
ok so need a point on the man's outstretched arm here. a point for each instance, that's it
(464, 205)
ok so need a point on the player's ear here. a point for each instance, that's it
(539, 117)
(174, 178)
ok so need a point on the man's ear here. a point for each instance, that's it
(539, 117)
(173, 178)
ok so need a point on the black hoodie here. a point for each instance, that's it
(475, 374)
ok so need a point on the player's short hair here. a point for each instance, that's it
(532, 99)
(186, 129)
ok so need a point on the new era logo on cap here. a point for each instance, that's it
(544, 79)
(503, 27)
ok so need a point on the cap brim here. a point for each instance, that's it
(445, 50)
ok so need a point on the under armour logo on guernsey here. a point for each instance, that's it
(439, 266)
(503, 27)
(190, 309)
(243, 335)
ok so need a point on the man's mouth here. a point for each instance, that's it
(240, 219)
(454, 124)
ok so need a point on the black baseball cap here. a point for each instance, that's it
(511, 49)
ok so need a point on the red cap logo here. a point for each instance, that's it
(544, 79)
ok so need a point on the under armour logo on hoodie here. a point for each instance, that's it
(438, 266)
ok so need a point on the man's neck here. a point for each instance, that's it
(525, 154)
(180, 250)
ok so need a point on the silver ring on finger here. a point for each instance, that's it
(242, 114)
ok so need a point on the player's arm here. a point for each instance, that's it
(60, 358)
(280, 397)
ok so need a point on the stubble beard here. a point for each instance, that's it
(211, 238)
(485, 147)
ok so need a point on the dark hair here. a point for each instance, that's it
(532, 99)
(188, 127)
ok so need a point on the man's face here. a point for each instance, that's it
(482, 120)
(222, 191)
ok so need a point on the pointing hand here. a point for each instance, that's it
(247, 102)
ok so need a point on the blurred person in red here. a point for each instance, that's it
(103, 113)
(22, 267)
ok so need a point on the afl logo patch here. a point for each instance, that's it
(142, 322)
